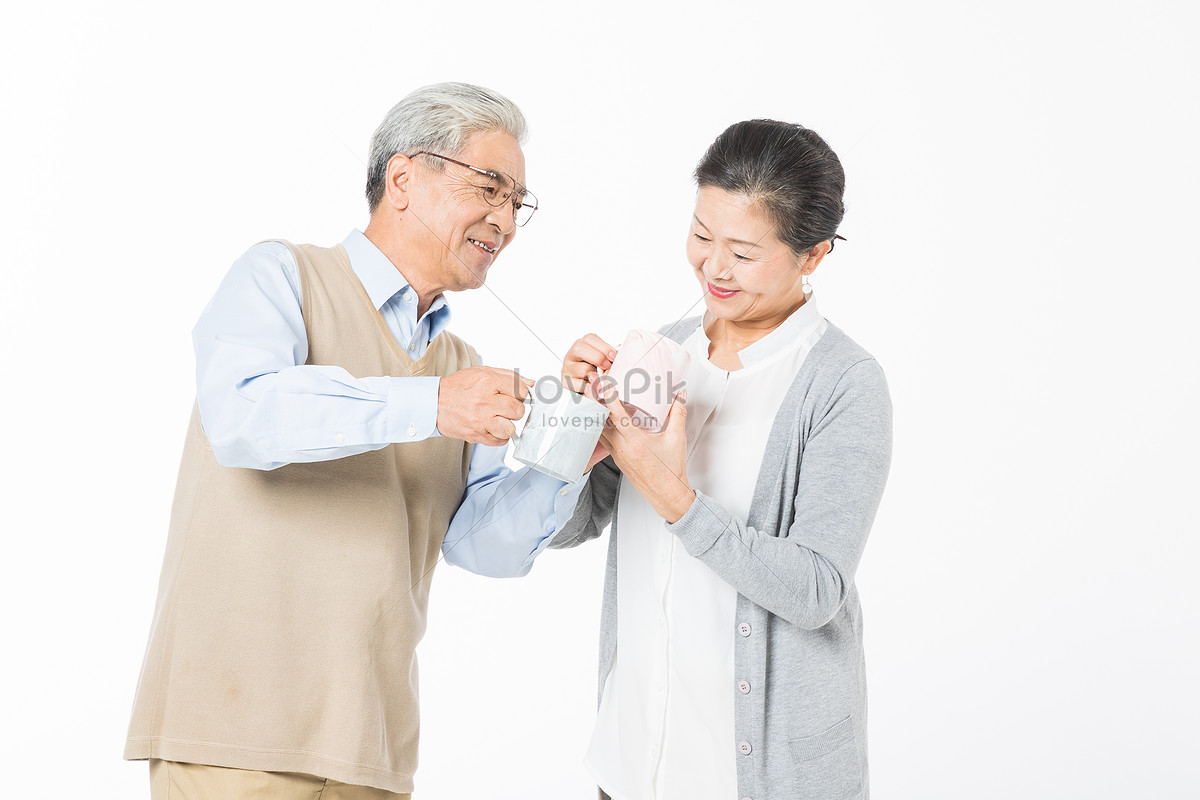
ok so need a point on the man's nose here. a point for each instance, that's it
(504, 217)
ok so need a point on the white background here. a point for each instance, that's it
(1021, 198)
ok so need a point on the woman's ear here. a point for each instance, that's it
(809, 262)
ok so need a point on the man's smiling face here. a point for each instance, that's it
(463, 234)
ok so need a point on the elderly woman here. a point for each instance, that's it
(731, 659)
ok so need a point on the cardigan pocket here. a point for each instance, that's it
(821, 744)
(827, 766)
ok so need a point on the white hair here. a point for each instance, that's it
(439, 118)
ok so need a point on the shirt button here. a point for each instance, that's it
(744, 629)
(412, 348)
(744, 748)
(412, 430)
(340, 437)
(744, 687)
(408, 297)
(565, 491)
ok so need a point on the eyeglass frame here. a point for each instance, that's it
(492, 175)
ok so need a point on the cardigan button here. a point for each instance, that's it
(744, 748)
(744, 629)
(744, 687)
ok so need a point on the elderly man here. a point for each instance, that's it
(327, 453)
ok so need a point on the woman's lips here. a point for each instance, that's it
(720, 294)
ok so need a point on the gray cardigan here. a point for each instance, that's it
(801, 730)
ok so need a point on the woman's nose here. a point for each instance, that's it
(714, 271)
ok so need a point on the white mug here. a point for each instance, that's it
(560, 432)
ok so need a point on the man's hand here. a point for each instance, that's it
(478, 404)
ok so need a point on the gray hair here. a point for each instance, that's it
(439, 118)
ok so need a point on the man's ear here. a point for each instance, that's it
(398, 183)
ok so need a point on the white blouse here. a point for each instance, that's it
(664, 730)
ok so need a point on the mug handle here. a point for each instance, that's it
(528, 401)
(602, 374)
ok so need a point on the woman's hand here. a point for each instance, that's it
(586, 358)
(581, 374)
(655, 463)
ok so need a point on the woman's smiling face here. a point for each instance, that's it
(746, 272)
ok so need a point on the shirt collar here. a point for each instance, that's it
(794, 330)
(383, 280)
(791, 333)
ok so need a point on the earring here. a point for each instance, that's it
(806, 286)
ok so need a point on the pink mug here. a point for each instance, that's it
(650, 369)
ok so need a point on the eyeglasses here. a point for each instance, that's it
(500, 189)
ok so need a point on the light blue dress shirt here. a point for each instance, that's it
(262, 407)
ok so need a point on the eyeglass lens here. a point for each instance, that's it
(500, 190)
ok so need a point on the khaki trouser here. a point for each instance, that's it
(172, 780)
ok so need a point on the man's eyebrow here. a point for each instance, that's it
(495, 173)
(735, 241)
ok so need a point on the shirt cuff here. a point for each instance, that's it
(412, 408)
(565, 501)
(565, 498)
(702, 525)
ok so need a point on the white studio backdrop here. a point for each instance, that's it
(1021, 193)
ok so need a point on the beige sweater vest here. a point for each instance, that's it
(291, 601)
